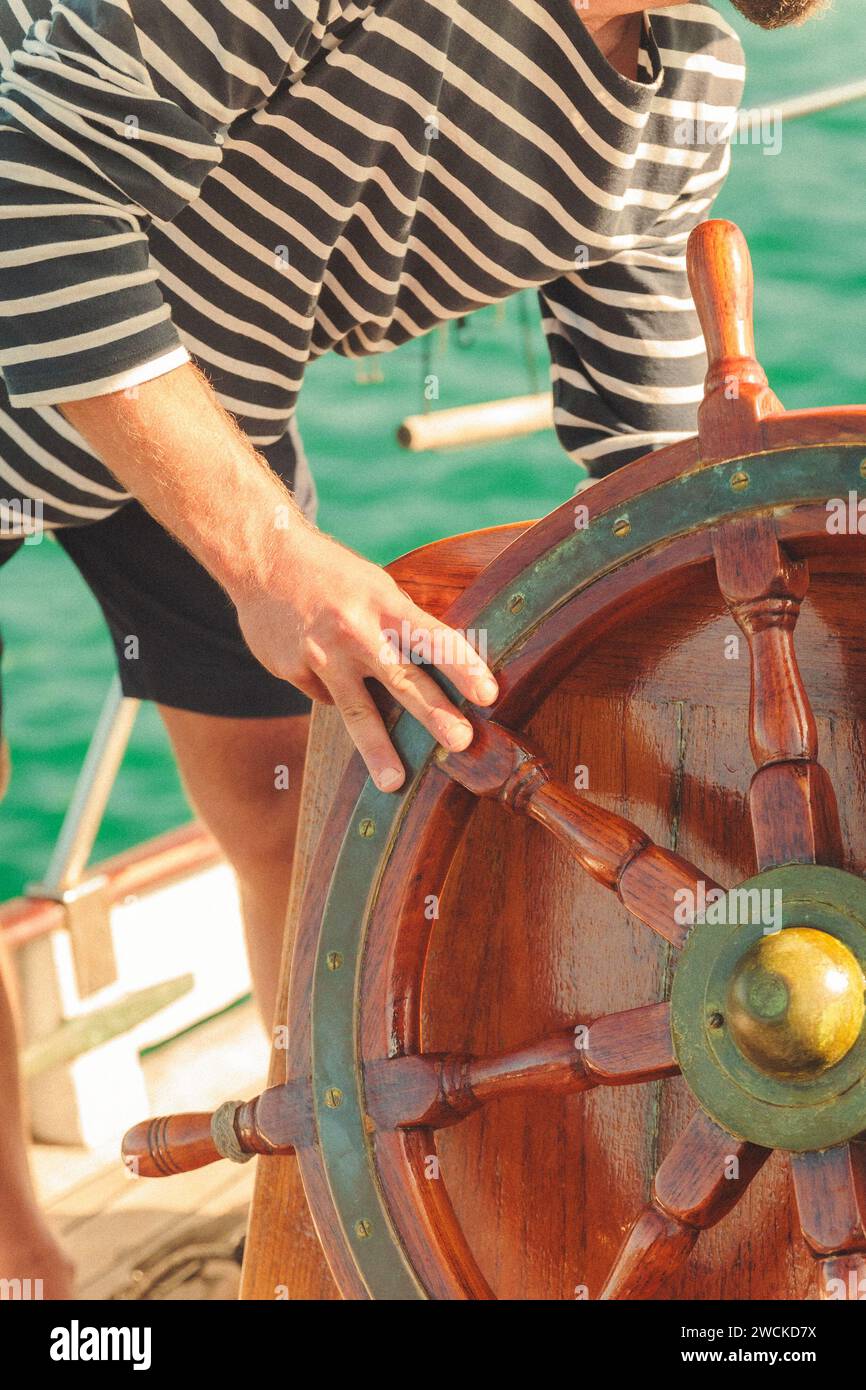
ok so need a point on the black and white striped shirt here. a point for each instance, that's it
(252, 183)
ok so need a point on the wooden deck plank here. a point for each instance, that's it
(218, 1220)
(113, 1224)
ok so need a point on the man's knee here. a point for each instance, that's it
(243, 778)
(259, 837)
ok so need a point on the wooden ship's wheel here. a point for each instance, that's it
(522, 1005)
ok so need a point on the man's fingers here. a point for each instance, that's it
(449, 651)
(396, 658)
(422, 697)
(367, 732)
(312, 687)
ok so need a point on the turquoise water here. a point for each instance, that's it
(804, 213)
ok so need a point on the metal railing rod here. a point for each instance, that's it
(807, 105)
(93, 788)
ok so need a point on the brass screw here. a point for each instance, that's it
(333, 1097)
(333, 960)
(367, 828)
(863, 468)
(516, 603)
(740, 481)
(363, 1228)
(622, 526)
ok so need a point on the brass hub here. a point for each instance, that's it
(768, 1009)
(795, 1003)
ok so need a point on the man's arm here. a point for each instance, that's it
(111, 114)
(311, 611)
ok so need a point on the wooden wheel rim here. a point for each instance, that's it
(375, 1225)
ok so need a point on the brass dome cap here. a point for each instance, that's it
(795, 1003)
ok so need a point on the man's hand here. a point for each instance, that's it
(322, 622)
(311, 611)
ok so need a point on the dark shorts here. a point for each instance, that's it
(189, 651)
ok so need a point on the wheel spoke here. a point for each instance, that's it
(624, 1048)
(701, 1180)
(620, 1049)
(279, 1121)
(842, 1277)
(650, 881)
(831, 1201)
(795, 818)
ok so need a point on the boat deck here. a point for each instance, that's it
(173, 1238)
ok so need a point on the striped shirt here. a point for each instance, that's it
(254, 183)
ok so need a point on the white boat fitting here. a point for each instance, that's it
(116, 957)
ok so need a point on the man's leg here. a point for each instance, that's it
(28, 1249)
(243, 778)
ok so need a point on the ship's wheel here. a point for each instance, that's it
(759, 1003)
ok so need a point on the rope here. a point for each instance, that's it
(807, 105)
(173, 1270)
(222, 1128)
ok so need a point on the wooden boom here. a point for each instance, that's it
(477, 424)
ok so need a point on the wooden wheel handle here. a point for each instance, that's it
(273, 1123)
(737, 396)
(169, 1144)
(723, 287)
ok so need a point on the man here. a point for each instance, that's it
(252, 184)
